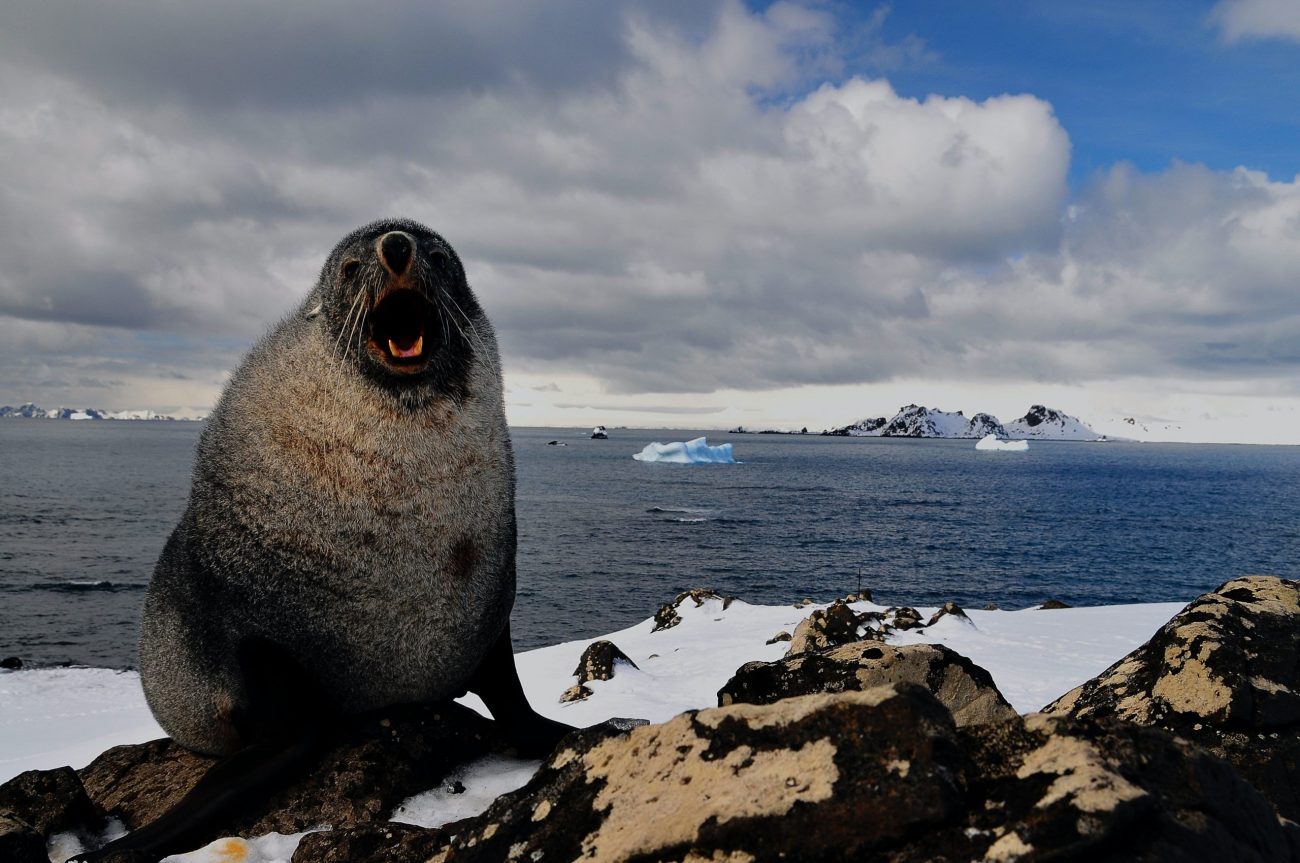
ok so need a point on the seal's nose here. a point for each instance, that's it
(395, 251)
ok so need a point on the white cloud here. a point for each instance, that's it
(1243, 19)
(686, 211)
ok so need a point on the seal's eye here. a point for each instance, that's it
(350, 269)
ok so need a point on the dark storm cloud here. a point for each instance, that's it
(321, 53)
(99, 299)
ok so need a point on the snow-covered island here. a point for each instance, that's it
(848, 730)
(1042, 423)
(30, 410)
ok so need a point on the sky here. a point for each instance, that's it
(695, 214)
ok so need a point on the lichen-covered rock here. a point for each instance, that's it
(1044, 788)
(878, 775)
(1225, 673)
(373, 763)
(967, 690)
(19, 842)
(598, 660)
(1052, 604)
(49, 801)
(813, 778)
(779, 637)
(835, 624)
(667, 617)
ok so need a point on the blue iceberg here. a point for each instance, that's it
(695, 451)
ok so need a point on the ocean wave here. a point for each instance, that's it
(79, 586)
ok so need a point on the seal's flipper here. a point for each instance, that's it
(285, 721)
(497, 682)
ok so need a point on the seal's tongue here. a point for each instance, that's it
(405, 347)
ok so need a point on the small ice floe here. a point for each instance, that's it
(991, 442)
(695, 451)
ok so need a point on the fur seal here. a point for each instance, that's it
(349, 541)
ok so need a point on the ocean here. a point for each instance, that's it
(604, 540)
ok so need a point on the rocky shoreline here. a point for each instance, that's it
(848, 748)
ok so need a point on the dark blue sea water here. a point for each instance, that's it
(604, 539)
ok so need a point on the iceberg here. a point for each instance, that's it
(695, 451)
(991, 443)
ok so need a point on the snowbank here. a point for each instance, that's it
(990, 443)
(695, 451)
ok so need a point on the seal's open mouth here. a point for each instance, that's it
(401, 327)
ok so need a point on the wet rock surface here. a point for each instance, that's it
(882, 774)
(19, 842)
(1223, 673)
(965, 689)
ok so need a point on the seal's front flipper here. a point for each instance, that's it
(497, 682)
(285, 721)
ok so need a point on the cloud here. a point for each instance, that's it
(1260, 19)
(700, 199)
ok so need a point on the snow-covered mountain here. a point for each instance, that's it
(35, 411)
(1045, 422)
(920, 421)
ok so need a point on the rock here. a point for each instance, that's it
(903, 618)
(860, 596)
(11, 663)
(49, 801)
(881, 774)
(389, 842)
(991, 606)
(780, 636)
(795, 780)
(1051, 604)
(965, 689)
(598, 660)
(949, 608)
(19, 843)
(835, 624)
(1224, 673)
(373, 763)
(576, 692)
(667, 617)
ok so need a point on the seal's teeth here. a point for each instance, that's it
(413, 351)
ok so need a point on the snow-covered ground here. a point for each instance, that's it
(54, 717)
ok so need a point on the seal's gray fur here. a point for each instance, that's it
(363, 522)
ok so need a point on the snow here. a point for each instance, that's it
(695, 451)
(52, 717)
(990, 443)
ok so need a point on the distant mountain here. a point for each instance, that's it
(920, 421)
(35, 411)
(1044, 422)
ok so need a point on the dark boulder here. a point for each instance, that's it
(598, 660)
(949, 609)
(1224, 673)
(967, 690)
(20, 843)
(49, 801)
(373, 763)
